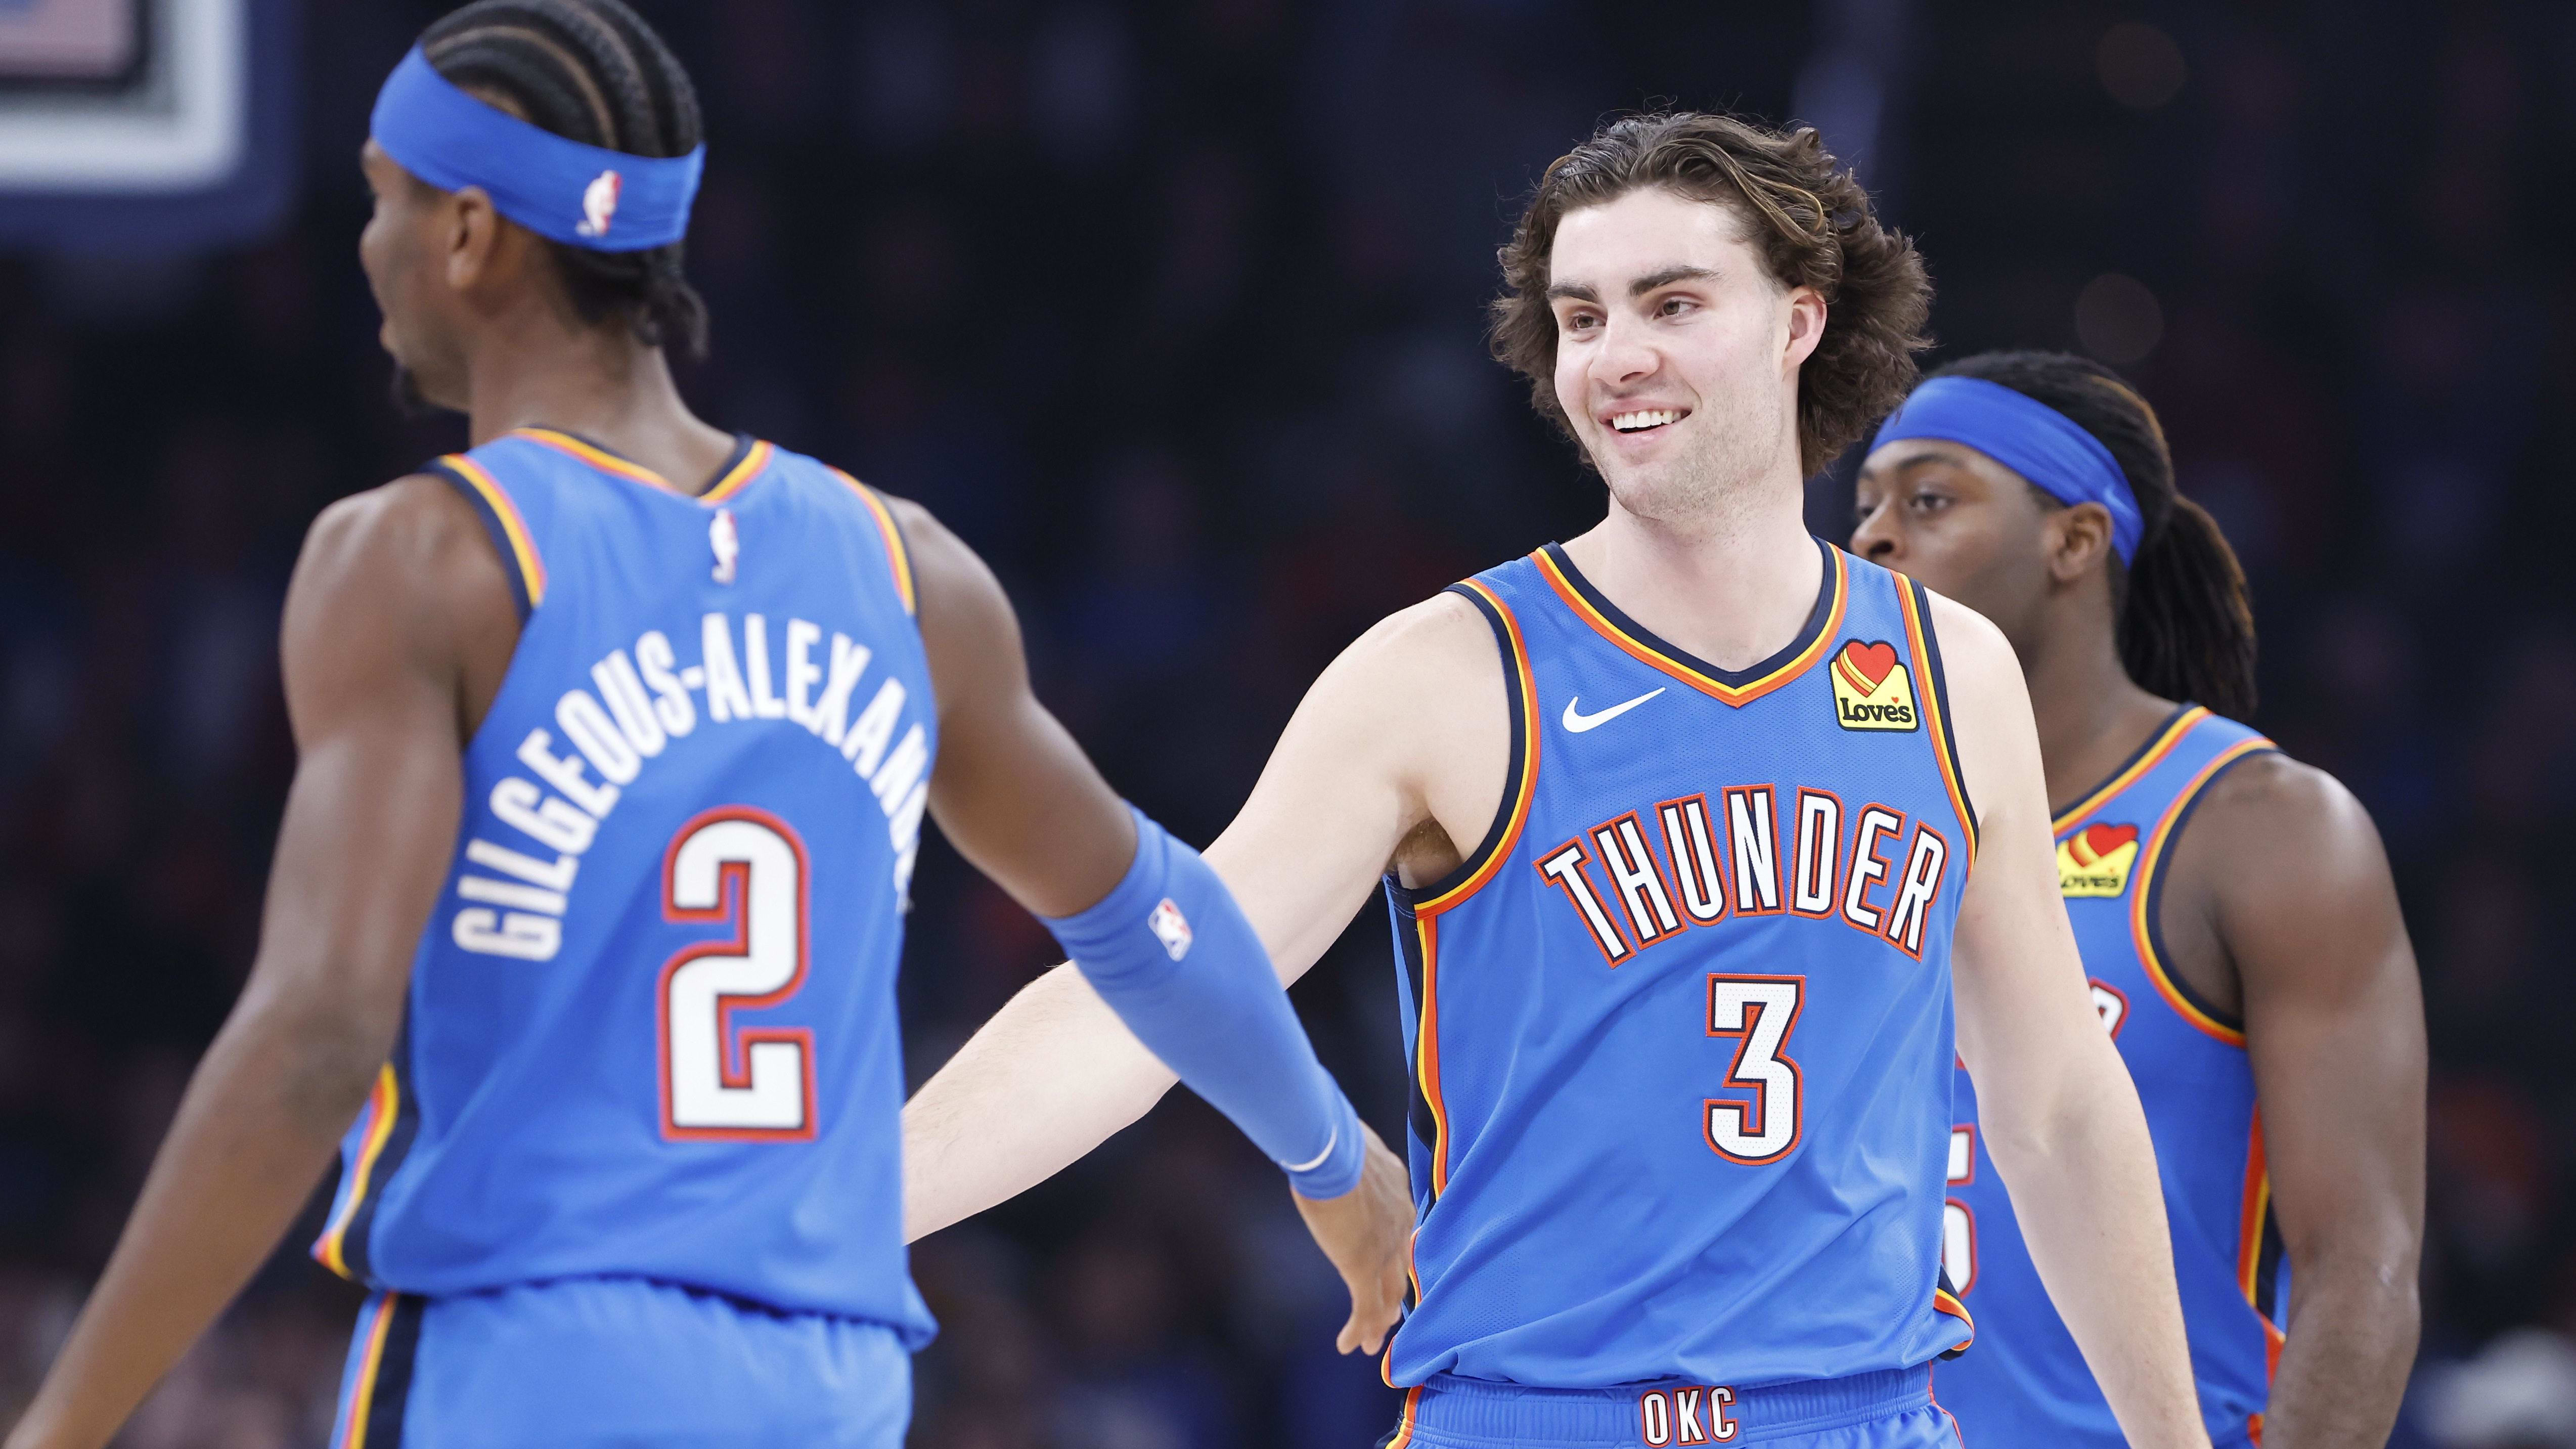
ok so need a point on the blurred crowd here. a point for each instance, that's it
(1171, 308)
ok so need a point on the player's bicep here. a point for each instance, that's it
(2333, 1010)
(387, 584)
(1406, 730)
(2018, 979)
(1011, 789)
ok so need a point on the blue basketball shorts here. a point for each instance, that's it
(601, 1362)
(1889, 1410)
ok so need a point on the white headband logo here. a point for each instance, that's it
(599, 204)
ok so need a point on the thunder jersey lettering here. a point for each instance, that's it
(651, 1024)
(2027, 1384)
(1681, 1023)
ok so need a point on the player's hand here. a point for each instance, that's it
(1367, 1232)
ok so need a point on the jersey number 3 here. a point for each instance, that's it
(746, 868)
(1759, 1012)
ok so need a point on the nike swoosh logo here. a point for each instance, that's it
(1576, 722)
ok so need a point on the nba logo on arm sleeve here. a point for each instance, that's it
(1171, 928)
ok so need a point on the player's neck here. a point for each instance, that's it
(599, 383)
(1733, 589)
(2091, 715)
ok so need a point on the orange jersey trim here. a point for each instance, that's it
(1647, 654)
(1943, 1301)
(1918, 631)
(1426, 1056)
(2258, 1198)
(600, 458)
(2256, 1214)
(2148, 758)
(736, 478)
(362, 1394)
(739, 476)
(1404, 1426)
(523, 545)
(897, 556)
(2142, 895)
(1527, 684)
(382, 1103)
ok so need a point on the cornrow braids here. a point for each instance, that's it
(589, 71)
(2184, 618)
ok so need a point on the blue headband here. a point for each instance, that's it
(582, 196)
(2029, 437)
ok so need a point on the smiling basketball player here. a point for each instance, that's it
(1676, 821)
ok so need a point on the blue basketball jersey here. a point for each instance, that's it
(1681, 1023)
(2027, 1383)
(651, 1024)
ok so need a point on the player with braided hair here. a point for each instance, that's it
(616, 737)
(598, 75)
(2233, 907)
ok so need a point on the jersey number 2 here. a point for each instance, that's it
(743, 867)
(1759, 1012)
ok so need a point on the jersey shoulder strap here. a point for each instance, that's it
(1884, 599)
(504, 490)
(2114, 844)
(1497, 594)
(843, 497)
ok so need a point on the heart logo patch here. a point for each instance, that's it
(1872, 690)
(2098, 841)
(1870, 662)
(2095, 860)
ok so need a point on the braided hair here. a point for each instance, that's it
(589, 71)
(2185, 624)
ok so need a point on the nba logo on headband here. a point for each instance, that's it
(2043, 445)
(598, 204)
(559, 188)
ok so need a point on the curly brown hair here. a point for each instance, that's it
(1801, 208)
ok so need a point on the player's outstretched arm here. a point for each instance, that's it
(2060, 1114)
(393, 587)
(1150, 926)
(2334, 1024)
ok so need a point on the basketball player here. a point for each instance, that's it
(1676, 821)
(2232, 905)
(616, 736)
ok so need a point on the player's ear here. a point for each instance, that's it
(1806, 325)
(470, 238)
(2079, 537)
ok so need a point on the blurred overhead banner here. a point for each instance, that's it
(144, 125)
(98, 41)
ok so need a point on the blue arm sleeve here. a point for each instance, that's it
(1172, 954)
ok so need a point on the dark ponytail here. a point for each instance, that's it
(590, 71)
(2186, 627)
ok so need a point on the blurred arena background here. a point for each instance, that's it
(1171, 308)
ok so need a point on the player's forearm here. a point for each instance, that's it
(2082, 1174)
(2353, 1323)
(1053, 1075)
(258, 1125)
(1172, 953)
